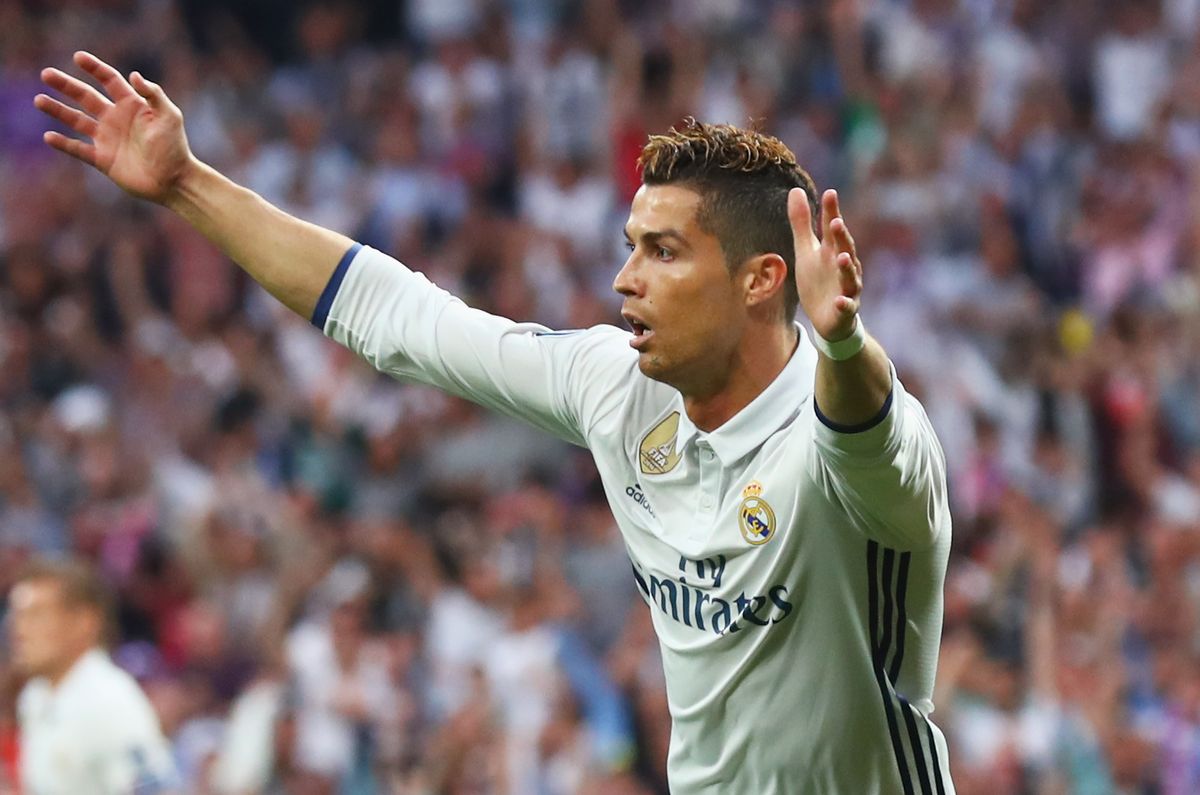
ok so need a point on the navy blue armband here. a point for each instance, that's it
(325, 302)
(862, 426)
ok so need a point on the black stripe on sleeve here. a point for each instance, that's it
(877, 654)
(937, 768)
(914, 737)
(901, 616)
(885, 646)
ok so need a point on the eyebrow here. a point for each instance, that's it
(654, 236)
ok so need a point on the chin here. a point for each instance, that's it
(654, 368)
(651, 365)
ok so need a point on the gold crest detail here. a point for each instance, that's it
(756, 517)
(658, 454)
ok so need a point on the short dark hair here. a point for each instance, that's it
(743, 177)
(80, 585)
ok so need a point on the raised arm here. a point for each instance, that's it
(829, 280)
(877, 451)
(391, 316)
(133, 134)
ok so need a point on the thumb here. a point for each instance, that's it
(151, 92)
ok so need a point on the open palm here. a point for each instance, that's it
(135, 133)
(828, 272)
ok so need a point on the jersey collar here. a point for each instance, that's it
(774, 407)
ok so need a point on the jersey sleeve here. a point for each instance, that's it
(406, 327)
(889, 475)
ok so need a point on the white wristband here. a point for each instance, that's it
(846, 348)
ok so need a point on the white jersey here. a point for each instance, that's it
(93, 734)
(793, 569)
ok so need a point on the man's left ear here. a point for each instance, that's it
(763, 278)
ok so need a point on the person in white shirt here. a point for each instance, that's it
(781, 497)
(86, 728)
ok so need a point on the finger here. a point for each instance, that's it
(72, 146)
(851, 283)
(846, 305)
(88, 98)
(77, 120)
(151, 92)
(842, 239)
(800, 215)
(830, 209)
(110, 78)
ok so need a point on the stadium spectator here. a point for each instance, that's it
(85, 724)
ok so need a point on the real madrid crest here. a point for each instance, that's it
(756, 518)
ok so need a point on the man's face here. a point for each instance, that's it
(46, 632)
(685, 308)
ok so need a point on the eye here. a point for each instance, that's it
(665, 253)
(629, 246)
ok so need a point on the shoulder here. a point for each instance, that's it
(597, 362)
(98, 672)
(105, 693)
(32, 699)
(645, 401)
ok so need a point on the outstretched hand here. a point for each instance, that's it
(133, 132)
(828, 272)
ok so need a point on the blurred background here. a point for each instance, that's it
(334, 583)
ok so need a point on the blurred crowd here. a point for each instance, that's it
(331, 582)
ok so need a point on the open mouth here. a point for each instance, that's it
(641, 332)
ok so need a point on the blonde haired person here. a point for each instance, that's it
(86, 727)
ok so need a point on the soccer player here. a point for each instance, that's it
(86, 726)
(782, 498)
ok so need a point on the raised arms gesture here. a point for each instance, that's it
(133, 134)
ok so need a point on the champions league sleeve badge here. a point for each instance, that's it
(756, 517)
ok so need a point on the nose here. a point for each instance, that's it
(626, 282)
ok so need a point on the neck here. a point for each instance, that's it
(59, 672)
(756, 362)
